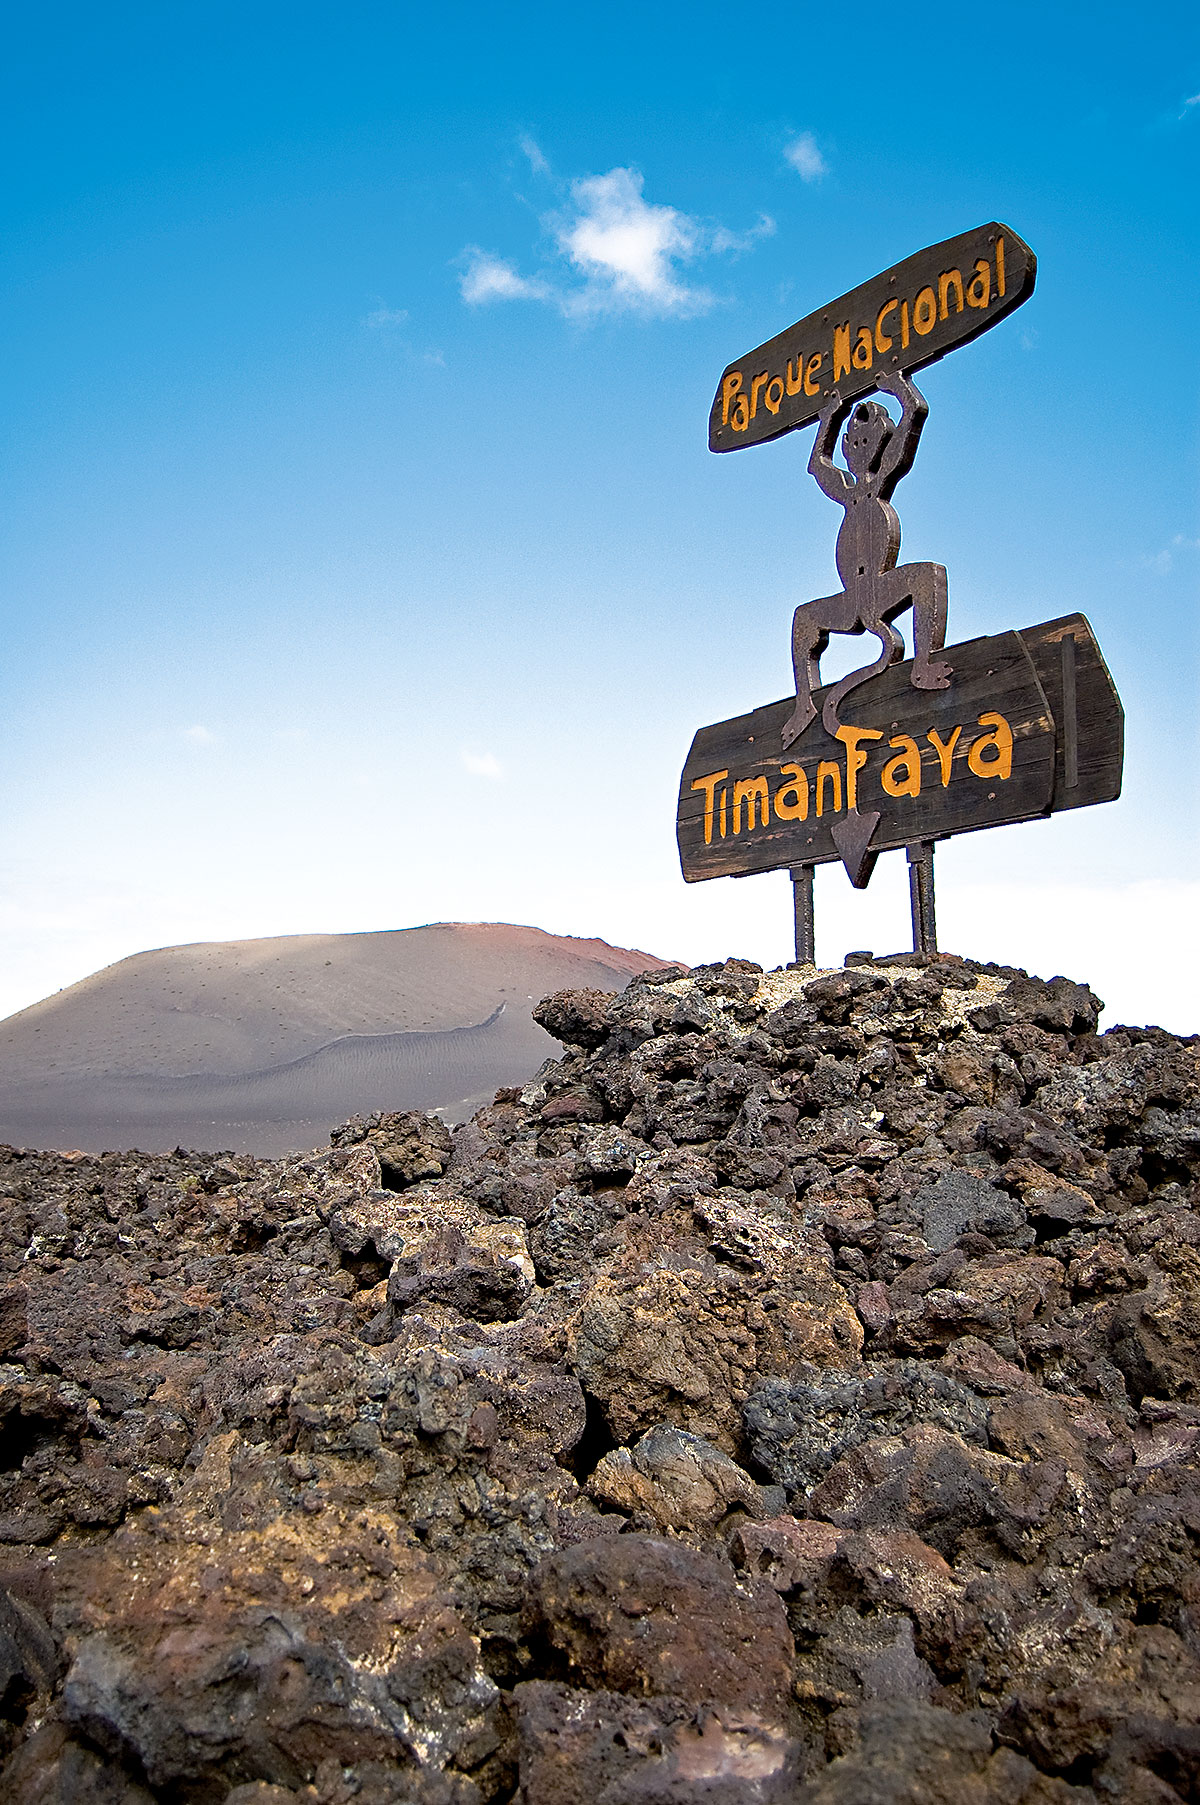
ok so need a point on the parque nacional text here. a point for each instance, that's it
(903, 319)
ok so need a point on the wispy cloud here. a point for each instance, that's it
(387, 321)
(617, 252)
(383, 317)
(482, 764)
(533, 150)
(198, 736)
(804, 155)
(1193, 100)
(1163, 563)
(488, 278)
(723, 240)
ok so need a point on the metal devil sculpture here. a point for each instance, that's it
(1001, 729)
(877, 453)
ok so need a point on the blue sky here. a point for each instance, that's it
(364, 561)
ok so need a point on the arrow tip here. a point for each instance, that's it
(852, 837)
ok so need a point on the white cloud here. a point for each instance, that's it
(198, 736)
(387, 316)
(724, 240)
(533, 150)
(805, 158)
(624, 253)
(487, 278)
(626, 249)
(482, 764)
(1193, 100)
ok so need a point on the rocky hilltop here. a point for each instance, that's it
(790, 1397)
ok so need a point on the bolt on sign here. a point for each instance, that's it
(902, 752)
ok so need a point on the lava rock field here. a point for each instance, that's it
(791, 1396)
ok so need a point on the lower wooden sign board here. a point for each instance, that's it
(1030, 723)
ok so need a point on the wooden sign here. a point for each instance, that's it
(894, 754)
(908, 317)
(1030, 724)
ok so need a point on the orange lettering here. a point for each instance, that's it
(901, 776)
(925, 312)
(709, 785)
(949, 278)
(750, 790)
(798, 785)
(944, 750)
(855, 759)
(829, 772)
(999, 743)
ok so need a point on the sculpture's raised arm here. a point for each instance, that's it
(901, 449)
(836, 483)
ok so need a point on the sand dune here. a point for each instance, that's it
(262, 1045)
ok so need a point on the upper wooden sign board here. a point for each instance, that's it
(908, 317)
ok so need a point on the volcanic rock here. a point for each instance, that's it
(790, 1395)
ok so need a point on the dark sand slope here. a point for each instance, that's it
(260, 1045)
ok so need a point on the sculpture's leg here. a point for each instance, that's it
(810, 637)
(929, 599)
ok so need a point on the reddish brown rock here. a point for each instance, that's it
(793, 1554)
(633, 1614)
(577, 1747)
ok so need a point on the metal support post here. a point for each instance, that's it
(806, 932)
(920, 888)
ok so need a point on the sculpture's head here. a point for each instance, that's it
(868, 430)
